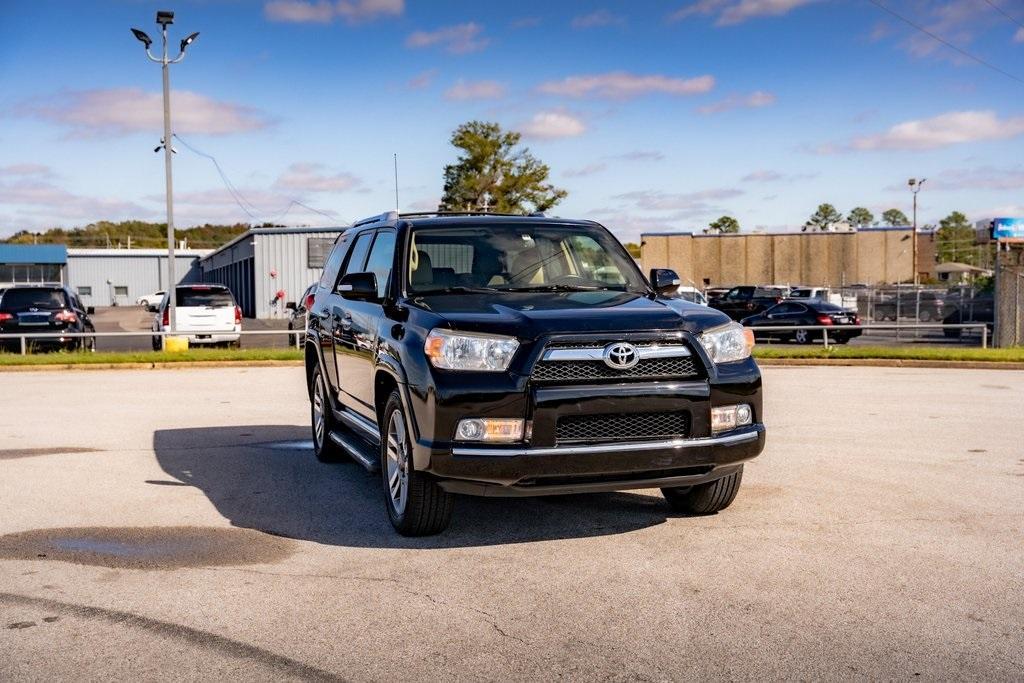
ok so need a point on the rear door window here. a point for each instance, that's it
(333, 264)
(199, 297)
(357, 256)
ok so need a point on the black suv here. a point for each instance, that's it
(44, 309)
(519, 356)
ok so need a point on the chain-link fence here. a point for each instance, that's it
(910, 304)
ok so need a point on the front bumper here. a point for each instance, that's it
(519, 471)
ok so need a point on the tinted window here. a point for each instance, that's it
(357, 257)
(204, 296)
(333, 264)
(381, 258)
(23, 299)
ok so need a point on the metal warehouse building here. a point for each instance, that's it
(263, 262)
(117, 277)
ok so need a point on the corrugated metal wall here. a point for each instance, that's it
(106, 277)
(286, 255)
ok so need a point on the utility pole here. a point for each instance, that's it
(915, 187)
(165, 19)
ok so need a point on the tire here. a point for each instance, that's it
(322, 421)
(705, 499)
(925, 316)
(803, 337)
(952, 332)
(416, 504)
(157, 344)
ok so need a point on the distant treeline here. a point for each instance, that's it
(143, 235)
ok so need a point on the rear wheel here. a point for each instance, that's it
(802, 337)
(322, 420)
(705, 499)
(416, 505)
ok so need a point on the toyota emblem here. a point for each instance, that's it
(621, 356)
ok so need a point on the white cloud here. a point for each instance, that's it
(422, 80)
(730, 12)
(697, 202)
(589, 169)
(598, 18)
(952, 128)
(458, 39)
(475, 90)
(640, 155)
(621, 85)
(1009, 179)
(1018, 37)
(27, 169)
(770, 176)
(552, 124)
(39, 203)
(324, 12)
(310, 177)
(755, 100)
(121, 111)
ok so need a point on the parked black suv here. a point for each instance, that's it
(44, 309)
(518, 356)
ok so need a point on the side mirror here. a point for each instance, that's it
(664, 281)
(290, 306)
(90, 310)
(358, 287)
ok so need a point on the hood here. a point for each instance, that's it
(529, 315)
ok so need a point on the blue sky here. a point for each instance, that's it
(653, 115)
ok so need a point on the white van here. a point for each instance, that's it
(206, 314)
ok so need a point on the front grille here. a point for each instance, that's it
(589, 370)
(631, 427)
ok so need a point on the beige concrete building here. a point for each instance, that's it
(869, 256)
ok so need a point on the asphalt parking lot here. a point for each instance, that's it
(174, 524)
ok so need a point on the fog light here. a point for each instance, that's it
(489, 429)
(724, 418)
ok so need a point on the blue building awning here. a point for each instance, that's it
(16, 254)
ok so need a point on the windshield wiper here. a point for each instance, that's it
(559, 288)
(457, 289)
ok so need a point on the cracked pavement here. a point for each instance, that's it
(878, 537)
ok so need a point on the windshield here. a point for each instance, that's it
(518, 258)
(24, 299)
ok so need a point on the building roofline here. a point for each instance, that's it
(251, 232)
(136, 252)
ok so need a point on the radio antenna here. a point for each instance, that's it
(396, 182)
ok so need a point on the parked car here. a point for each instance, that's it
(298, 312)
(691, 294)
(206, 314)
(979, 308)
(798, 315)
(741, 302)
(485, 355)
(46, 309)
(923, 305)
(713, 293)
(150, 301)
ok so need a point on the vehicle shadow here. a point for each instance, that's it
(266, 478)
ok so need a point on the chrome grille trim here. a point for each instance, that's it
(645, 352)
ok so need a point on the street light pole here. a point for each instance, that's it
(915, 187)
(164, 19)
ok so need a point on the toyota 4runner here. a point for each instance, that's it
(519, 356)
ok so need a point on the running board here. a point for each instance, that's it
(357, 450)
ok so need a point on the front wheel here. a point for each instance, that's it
(417, 505)
(705, 499)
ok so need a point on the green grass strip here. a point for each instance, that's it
(190, 356)
(1011, 355)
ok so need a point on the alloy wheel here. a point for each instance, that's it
(318, 412)
(397, 463)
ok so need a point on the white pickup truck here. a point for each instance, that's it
(206, 314)
(824, 294)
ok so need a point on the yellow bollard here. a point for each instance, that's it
(175, 344)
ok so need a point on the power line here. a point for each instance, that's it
(945, 42)
(252, 211)
(1001, 11)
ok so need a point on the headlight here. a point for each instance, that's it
(469, 351)
(728, 343)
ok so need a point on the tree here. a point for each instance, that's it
(633, 248)
(724, 225)
(954, 240)
(895, 217)
(491, 174)
(860, 217)
(823, 219)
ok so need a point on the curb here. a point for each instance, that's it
(174, 365)
(893, 363)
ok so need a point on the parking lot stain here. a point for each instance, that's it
(166, 482)
(146, 547)
(976, 450)
(13, 453)
(21, 624)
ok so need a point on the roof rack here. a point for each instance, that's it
(537, 214)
